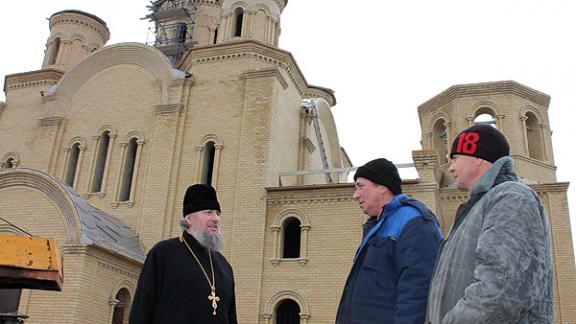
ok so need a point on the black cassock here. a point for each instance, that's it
(172, 289)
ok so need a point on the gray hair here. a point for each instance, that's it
(184, 224)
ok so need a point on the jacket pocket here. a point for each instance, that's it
(380, 255)
(377, 276)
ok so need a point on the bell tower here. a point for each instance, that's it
(258, 20)
(521, 113)
(73, 35)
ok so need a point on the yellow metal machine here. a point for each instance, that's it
(29, 262)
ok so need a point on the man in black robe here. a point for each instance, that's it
(186, 279)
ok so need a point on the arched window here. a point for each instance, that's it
(9, 163)
(239, 18)
(215, 36)
(101, 159)
(208, 163)
(54, 51)
(121, 311)
(485, 118)
(291, 234)
(534, 137)
(439, 140)
(129, 170)
(72, 165)
(287, 312)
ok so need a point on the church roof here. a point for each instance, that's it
(98, 19)
(106, 231)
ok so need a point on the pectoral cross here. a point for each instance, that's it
(214, 299)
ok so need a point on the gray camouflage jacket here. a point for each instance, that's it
(495, 265)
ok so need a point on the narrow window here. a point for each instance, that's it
(534, 137)
(54, 51)
(208, 163)
(121, 311)
(291, 233)
(439, 143)
(181, 33)
(72, 164)
(129, 164)
(215, 36)
(288, 312)
(239, 19)
(101, 162)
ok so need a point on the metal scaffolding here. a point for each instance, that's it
(172, 24)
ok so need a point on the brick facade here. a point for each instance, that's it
(244, 96)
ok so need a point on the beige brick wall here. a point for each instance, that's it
(246, 97)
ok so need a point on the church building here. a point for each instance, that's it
(98, 147)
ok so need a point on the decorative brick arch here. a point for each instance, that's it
(78, 36)
(113, 302)
(290, 213)
(480, 105)
(268, 313)
(531, 109)
(53, 189)
(231, 8)
(488, 107)
(10, 155)
(124, 283)
(265, 9)
(147, 57)
(14, 230)
(440, 115)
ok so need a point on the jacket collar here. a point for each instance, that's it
(392, 205)
(500, 171)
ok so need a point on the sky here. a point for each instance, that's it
(382, 59)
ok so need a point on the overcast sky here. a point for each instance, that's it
(382, 58)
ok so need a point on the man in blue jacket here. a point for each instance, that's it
(388, 282)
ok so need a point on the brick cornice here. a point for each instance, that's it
(483, 89)
(253, 49)
(309, 194)
(273, 72)
(79, 18)
(550, 187)
(534, 161)
(32, 78)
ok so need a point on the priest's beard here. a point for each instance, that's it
(212, 242)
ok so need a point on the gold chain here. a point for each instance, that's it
(213, 283)
(212, 297)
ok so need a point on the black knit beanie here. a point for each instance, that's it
(481, 141)
(383, 172)
(200, 197)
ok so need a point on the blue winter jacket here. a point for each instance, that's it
(389, 280)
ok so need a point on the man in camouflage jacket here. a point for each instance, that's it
(495, 265)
